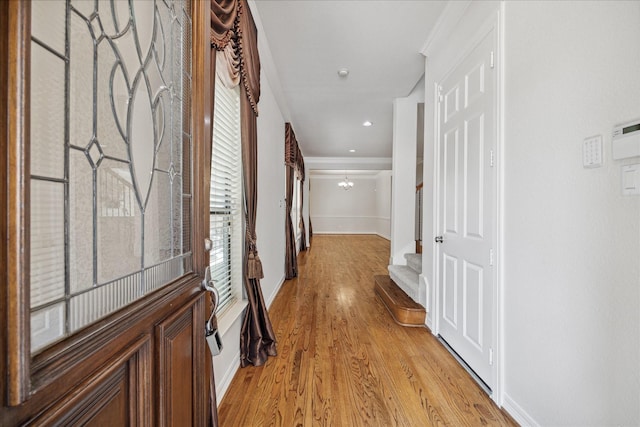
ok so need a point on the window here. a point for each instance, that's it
(296, 212)
(225, 199)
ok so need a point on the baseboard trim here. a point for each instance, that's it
(226, 379)
(383, 236)
(343, 232)
(275, 292)
(517, 412)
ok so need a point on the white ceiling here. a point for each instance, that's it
(378, 41)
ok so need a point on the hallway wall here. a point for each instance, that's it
(572, 241)
(364, 209)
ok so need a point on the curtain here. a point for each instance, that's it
(294, 163)
(213, 402)
(303, 238)
(234, 38)
(290, 259)
(300, 170)
(257, 340)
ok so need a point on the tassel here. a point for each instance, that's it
(254, 266)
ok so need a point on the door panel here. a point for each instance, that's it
(119, 394)
(468, 136)
(181, 359)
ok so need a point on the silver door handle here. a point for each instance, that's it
(439, 239)
(207, 285)
(214, 341)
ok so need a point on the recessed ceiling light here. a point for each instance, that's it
(343, 72)
(367, 123)
(352, 151)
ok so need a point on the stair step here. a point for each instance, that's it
(403, 309)
(406, 278)
(414, 261)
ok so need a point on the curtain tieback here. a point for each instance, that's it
(254, 266)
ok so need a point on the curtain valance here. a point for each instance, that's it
(292, 154)
(234, 33)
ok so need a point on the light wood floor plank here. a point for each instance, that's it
(343, 361)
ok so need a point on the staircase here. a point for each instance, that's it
(399, 291)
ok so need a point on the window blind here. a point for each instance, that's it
(225, 197)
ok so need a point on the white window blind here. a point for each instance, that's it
(225, 198)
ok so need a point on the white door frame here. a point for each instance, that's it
(494, 23)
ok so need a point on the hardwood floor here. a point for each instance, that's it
(343, 361)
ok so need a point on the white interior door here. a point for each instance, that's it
(467, 123)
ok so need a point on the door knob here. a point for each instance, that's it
(439, 239)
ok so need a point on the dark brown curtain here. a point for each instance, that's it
(233, 28)
(303, 238)
(257, 340)
(290, 258)
(213, 404)
(301, 174)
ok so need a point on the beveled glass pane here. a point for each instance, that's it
(119, 223)
(163, 130)
(81, 221)
(85, 7)
(186, 45)
(157, 221)
(97, 303)
(47, 242)
(143, 12)
(114, 16)
(176, 215)
(47, 23)
(186, 224)
(126, 45)
(47, 326)
(141, 139)
(111, 140)
(157, 275)
(80, 83)
(47, 113)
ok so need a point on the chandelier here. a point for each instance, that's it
(346, 184)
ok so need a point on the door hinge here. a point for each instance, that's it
(440, 94)
(491, 256)
(491, 60)
(490, 356)
(492, 158)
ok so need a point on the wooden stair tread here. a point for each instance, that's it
(403, 309)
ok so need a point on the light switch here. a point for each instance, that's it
(631, 179)
(592, 152)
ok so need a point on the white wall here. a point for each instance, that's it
(383, 204)
(572, 241)
(336, 211)
(405, 138)
(365, 209)
(269, 227)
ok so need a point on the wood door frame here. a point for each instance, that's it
(494, 22)
(34, 380)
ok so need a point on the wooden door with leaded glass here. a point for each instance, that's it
(108, 322)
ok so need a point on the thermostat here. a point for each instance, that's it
(626, 140)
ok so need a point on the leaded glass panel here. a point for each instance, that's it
(110, 147)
